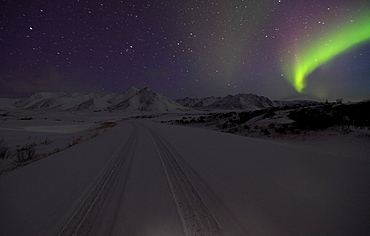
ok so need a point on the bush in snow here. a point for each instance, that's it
(4, 151)
(46, 142)
(26, 153)
(75, 141)
(323, 117)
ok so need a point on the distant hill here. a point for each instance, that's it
(237, 102)
(230, 102)
(296, 119)
(294, 102)
(147, 100)
(132, 99)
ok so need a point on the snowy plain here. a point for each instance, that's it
(146, 178)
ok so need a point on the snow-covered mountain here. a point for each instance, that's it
(7, 103)
(62, 101)
(148, 100)
(198, 102)
(132, 99)
(242, 102)
(238, 102)
(230, 102)
(294, 102)
(115, 99)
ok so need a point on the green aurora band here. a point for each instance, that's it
(318, 52)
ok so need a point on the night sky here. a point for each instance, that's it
(182, 47)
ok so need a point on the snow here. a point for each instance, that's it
(61, 129)
(230, 102)
(272, 188)
(6, 103)
(130, 180)
(132, 99)
(148, 100)
(40, 195)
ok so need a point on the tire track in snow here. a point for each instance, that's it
(195, 216)
(230, 223)
(85, 215)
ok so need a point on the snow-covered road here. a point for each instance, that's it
(145, 178)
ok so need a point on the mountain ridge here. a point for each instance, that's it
(132, 99)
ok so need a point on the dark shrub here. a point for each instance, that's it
(26, 153)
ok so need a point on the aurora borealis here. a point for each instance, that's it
(187, 48)
(315, 53)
